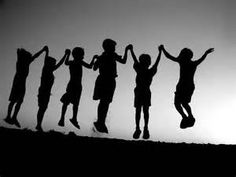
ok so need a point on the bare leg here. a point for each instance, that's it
(10, 110)
(179, 108)
(75, 112)
(146, 116)
(188, 109)
(74, 118)
(40, 116)
(102, 111)
(146, 134)
(63, 112)
(137, 116)
(14, 117)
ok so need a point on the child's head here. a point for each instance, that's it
(145, 60)
(78, 53)
(109, 45)
(23, 55)
(186, 54)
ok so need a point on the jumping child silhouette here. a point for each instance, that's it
(106, 81)
(24, 59)
(47, 80)
(74, 87)
(185, 86)
(142, 92)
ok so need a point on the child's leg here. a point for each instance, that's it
(17, 108)
(40, 116)
(146, 120)
(11, 104)
(188, 109)
(74, 118)
(179, 107)
(137, 131)
(102, 111)
(63, 112)
(75, 111)
(146, 116)
(137, 116)
(14, 117)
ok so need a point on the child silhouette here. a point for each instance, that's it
(185, 86)
(142, 92)
(106, 83)
(24, 59)
(74, 87)
(47, 80)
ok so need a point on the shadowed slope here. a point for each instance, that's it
(28, 153)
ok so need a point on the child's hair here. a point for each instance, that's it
(145, 60)
(78, 52)
(108, 44)
(23, 54)
(186, 54)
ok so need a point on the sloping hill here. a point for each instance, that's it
(28, 153)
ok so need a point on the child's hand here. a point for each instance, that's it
(67, 51)
(129, 47)
(210, 50)
(161, 47)
(45, 48)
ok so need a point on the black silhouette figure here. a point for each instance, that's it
(74, 87)
(185, 86)
(24, 59)
(142, 92)
(106, 83)
(47, 80)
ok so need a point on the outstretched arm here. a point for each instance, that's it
(45, 48)
(90, 65)
(133, 54)
(204, 56)
(167, 54)
(124, 59)
(65, 57)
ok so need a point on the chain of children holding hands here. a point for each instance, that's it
(105, 84)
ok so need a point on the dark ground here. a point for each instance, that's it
(28, 153)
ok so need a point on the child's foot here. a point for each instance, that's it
(187, 122)
(100, 127)
(9, 120)
(61, 123)
(146, 134)
(191, 121)
(137, 133)
(75, 123)
(15, 122)
(39, 128)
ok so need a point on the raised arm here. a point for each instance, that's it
(158, 58)
(124, 59)
(67, 62)
(133, 54)
(204, 56)
(45, 48)
(90, 65)
(65, 57)
(167, 54)
(96, 63)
